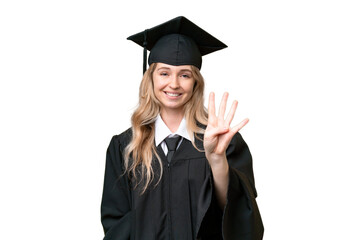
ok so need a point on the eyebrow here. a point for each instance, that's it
(185, 70)
(163, 68)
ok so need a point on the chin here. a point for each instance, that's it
(177, 107)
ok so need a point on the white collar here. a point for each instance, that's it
(162, 131)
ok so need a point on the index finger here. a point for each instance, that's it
(211, 107)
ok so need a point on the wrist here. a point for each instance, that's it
(218, 163)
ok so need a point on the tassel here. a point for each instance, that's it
(145, 52)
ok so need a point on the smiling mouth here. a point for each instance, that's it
(172, 94)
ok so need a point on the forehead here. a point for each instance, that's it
(172, 67)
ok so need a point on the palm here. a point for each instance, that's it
(218, 133)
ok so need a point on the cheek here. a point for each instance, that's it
(190, 87)
(158, 84)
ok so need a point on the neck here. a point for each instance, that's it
(172, 119)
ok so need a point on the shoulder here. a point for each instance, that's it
(121, 140)
(237, 143)
(124, 137)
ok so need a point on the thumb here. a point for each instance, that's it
(214, 132)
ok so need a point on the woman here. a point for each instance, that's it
(180, 172)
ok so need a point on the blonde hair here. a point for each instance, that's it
(140, 151)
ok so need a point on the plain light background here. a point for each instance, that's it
(69, 82)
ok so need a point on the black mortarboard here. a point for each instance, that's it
(176, 42)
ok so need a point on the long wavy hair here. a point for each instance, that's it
(140, 152)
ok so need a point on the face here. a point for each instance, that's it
(173, 85)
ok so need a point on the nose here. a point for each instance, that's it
(174, 82)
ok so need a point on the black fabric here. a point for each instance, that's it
(171, 143)
(183, 205)
(176, 49)
(177, 42)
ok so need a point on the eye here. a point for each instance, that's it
(185, 76)
(164, 74)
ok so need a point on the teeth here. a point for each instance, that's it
(173, 94)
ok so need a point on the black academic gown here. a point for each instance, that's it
(183, 205)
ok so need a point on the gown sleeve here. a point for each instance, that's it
(116, 214)
(241, 216)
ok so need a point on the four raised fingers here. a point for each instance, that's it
(218, 126)
(222, 109)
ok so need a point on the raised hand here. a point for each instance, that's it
(218, 133)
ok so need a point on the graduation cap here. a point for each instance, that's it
(176, 42)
